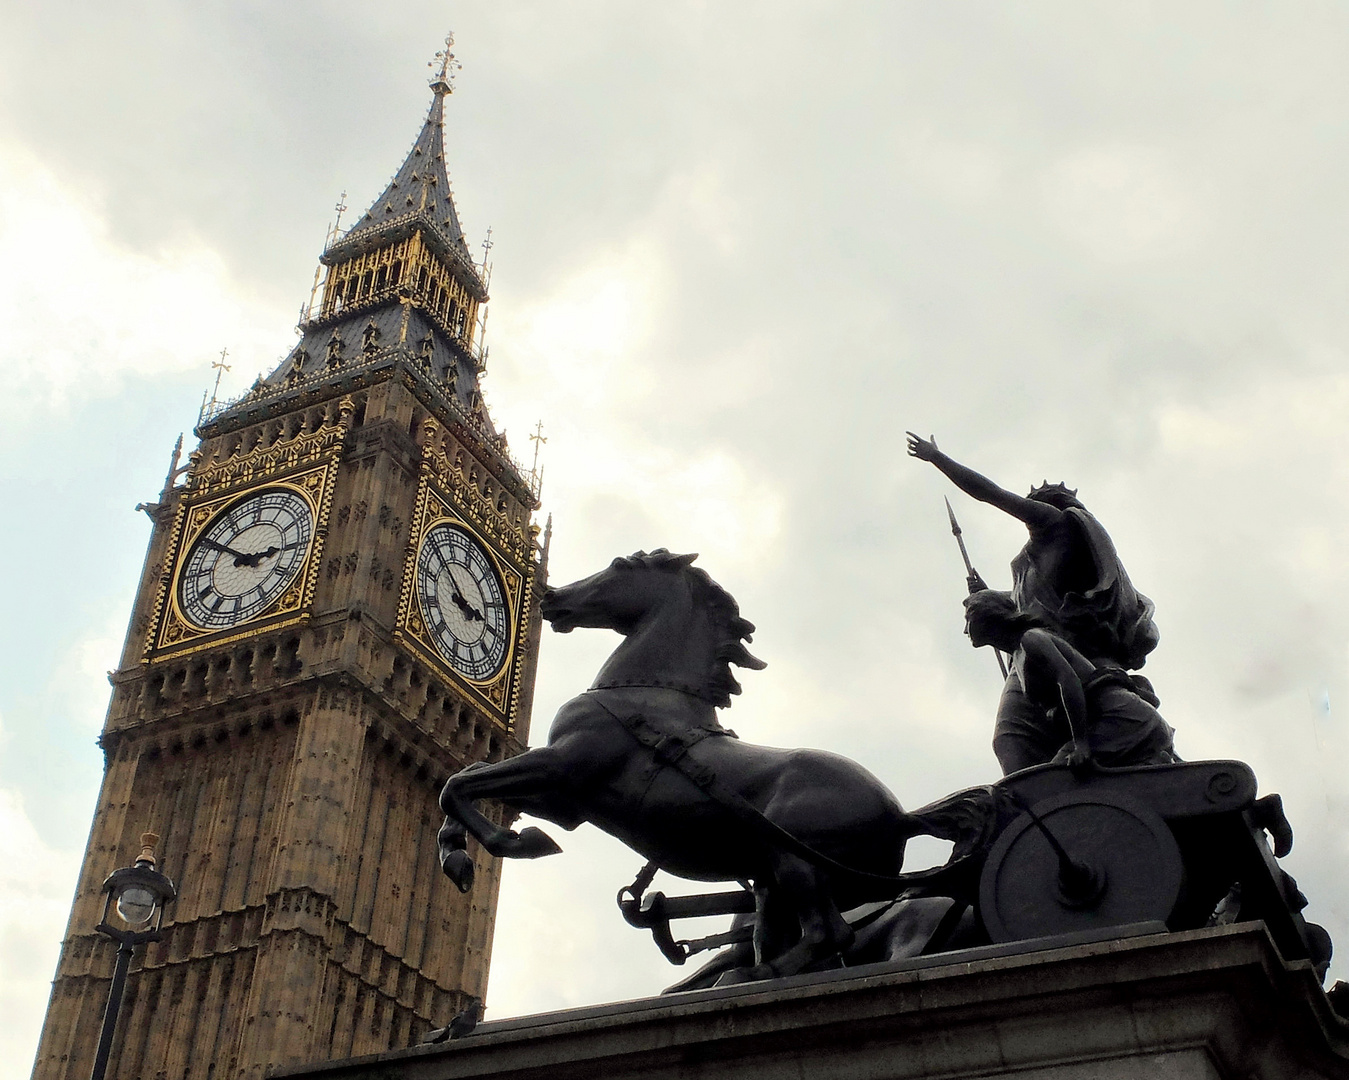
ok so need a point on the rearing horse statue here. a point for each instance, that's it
(642, 755)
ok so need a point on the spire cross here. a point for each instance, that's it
(487, 245)
(220, 368)
(535, 477)
(329, 237)
(443, 83)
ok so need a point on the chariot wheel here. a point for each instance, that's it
(1123, 866)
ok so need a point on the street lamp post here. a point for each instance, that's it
(138, 894)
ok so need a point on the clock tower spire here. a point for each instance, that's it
(338, 610)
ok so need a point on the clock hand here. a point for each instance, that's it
(470, 612)
(256, 557)
(207, 542)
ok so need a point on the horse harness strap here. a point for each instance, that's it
(673, 751)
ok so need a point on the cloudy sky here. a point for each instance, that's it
(740, 247)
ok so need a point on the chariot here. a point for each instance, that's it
(817, 842)
(1044, 853)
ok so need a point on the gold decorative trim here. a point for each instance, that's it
(456, 480)
(500, 693)
(283, 456)
(412, 272)
(171, 633)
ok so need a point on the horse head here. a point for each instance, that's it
(616, 598)
(683, 629)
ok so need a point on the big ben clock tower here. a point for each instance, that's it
(338, 609)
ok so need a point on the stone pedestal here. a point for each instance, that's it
(1213, 1003)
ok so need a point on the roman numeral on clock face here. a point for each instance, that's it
(245, 559)
(462, 602)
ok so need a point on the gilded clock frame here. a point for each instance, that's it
(171, 632)
(499, 694)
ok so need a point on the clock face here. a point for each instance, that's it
(247, 557)
(462, 602)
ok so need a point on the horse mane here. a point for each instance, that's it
(726, 619)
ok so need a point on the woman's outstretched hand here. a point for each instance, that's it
(922, 449)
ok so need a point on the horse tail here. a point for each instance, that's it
(968, 819)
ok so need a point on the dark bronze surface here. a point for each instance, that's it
(817, 842)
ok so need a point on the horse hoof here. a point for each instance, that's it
(1268, 814)
(533, 843)
(458, 868)
(452, 836)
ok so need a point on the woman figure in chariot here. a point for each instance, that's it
(1097, 705)
(1068, 577)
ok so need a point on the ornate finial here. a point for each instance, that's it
(487, 245)
(535, 473)
(220, 368)
(147, 855)
(329, 238)
(175, 470)
(208, 408)
(443, 83)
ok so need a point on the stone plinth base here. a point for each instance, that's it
(1216, 1003)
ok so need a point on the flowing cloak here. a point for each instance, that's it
(1123, 728)
(1110, 620)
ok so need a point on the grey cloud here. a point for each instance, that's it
(1075, 241)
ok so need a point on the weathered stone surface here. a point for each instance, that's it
(289, 755)
(1213, 1003)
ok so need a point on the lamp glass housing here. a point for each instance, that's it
(136, 905)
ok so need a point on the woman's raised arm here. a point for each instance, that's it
(1036, 515)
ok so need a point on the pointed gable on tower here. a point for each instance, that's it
(399, 287)
(420, 189)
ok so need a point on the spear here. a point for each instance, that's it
(971, 575)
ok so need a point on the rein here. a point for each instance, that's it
(672, 751)
(659, 684)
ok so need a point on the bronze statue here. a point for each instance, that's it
(1068, 576)
(642, 755)
(817, 843)
(1108, 718)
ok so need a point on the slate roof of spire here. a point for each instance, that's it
(418, 195)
